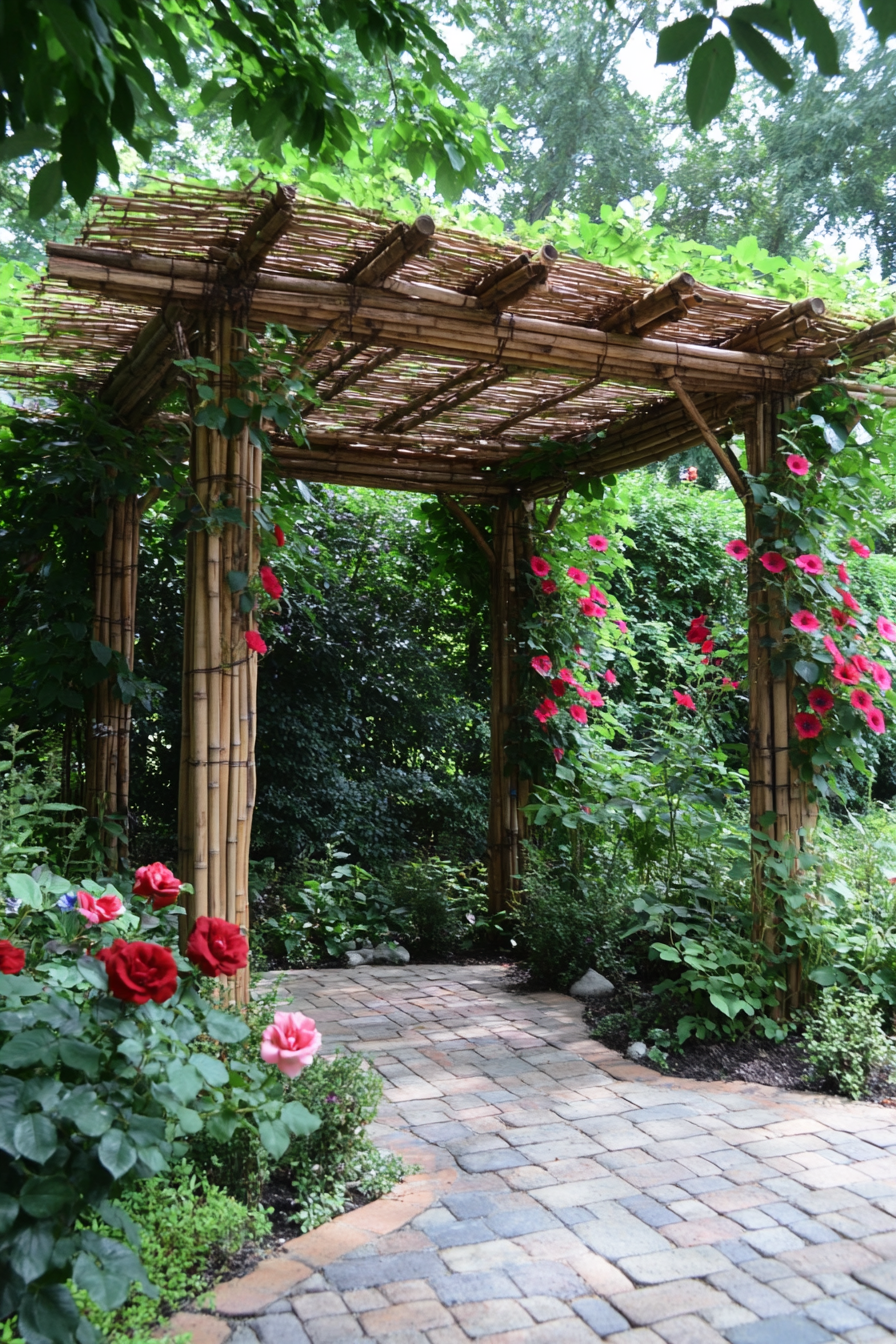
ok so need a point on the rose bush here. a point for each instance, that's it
(103, 1085)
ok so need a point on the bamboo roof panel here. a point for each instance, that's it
(418, 381)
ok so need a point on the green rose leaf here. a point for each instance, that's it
(225, 1027)
(35, 1138)
(49, 1316)
(25, 889)
(94, 972)
(116, 1152)
(45, 1196)
(184, 1081)
(806, 669)
(190, 1121)
(79, 1055)
(32, 1249)
(212, 1070)
(220, 1128)
(298, 1119)
(87, 1112)
(274, 1137)
(9, 1211)
(29, 1047)
(21, 985)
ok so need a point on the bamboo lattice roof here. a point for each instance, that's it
(440, 356)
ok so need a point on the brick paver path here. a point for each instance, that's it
(567, 1195)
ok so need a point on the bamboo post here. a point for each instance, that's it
(775, 786)
(107, 780)
(510, 543)
(217, 786)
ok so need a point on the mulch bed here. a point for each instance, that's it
(750, 1059)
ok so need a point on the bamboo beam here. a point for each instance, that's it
(333, 365)
(510, 283)
(771, 333)
(862, 347)
(457, 398)
(466, 521)
(545, 404)
(730, 468)
(357, 375)
(441, 328)
(667, 303)
(386, 422)
(402, 242)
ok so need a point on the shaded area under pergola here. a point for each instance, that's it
(445, 362)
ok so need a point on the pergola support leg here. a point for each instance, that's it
(508, 793)
(217, 778)
(108, 718)
(775, 786)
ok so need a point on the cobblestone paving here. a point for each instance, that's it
(567, 1195)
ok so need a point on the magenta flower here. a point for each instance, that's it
(610, 677)
(886, 629)
(590, 608)
(623, 627)
(558, 754)
(805, 621)
(596, 595)
(881, 676)
(798, 464)
(598, 543)
(737, 549)
(821, 700)
(810, 564)
(832, 649)
(542, 665)
(577, 575)
(578, 713)
(593, 698)
(684, 700)
(861, 700)
(876, 721)
(843, 575)
(807, 725)
(255, 642)
(859, 549)
(847, 673)
(773, 562)
(548, 587)
(565, 675)
(540, 568)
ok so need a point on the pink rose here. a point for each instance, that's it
(158, 883)
(99, 911)
(290, 1042)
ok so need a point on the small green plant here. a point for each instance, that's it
(188, 1227)
(844, 1039)
(447, 905)
(339, 1156)
(567, 924)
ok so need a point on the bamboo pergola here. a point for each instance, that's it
(442, 360)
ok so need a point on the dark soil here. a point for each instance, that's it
(749, 1059)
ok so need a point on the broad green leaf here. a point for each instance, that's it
(221, 1128)
(9, 1210)
(761, 54)
(101, 652)
(35, 1137)
(79, 1055)
(45, 1196)
(115, 1216)
(45, 189)
(814, 28)
(116, 1152)
(228, 1028)
(190, 1121)
(711, 77)
(298, 1119)
(680, 39)
(184, 1081)
(809, 671)
(49, 1316)
(31, 1250)
(87, 1112)
(212, 1070)
(20, 985)
(25, 889)
(764, 16)
(94, 972)
(237, 580)
(274, 1137)
(29, 1047)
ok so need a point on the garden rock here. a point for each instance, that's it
(592, 985)
(382, 954)
(637, 1051)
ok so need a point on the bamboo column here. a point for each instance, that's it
(509, 793)
(108, 718)
(217, 777)
(775, 787)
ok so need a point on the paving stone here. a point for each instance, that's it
(201, 1329)
(614, 1232)
(456, 1288)
(836, 1314)
(797, 1290)
(650, 1211)
(809, 1229)
(753, 1219)
(543, 1278)
(879, 1276)
(497, 1254)
(279, 1329)
(646, 1306)
(688, 1330)
(491, 1317)
(312, 1305)
(496, 1160)
(664, 1266)
(737, 1251)
(772, 1240)
(425, 1315)
(781, 1330)
(517, 1222)
(602, 1318)
(759, 1298)
(334, 1330)
(470, 1205)
(461, 1232)
(547, 1309)
(376, 1269)
(766, 1270)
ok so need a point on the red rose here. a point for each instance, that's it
(279, 536)
(12, 958)
(139, 971)
(157, 882)
(216, 947)
(255, 642)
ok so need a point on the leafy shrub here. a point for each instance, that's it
(845, 1040)
(567, 924)
(98, 1093)
(344, 1092)
(446, 904)
(187, 1226)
